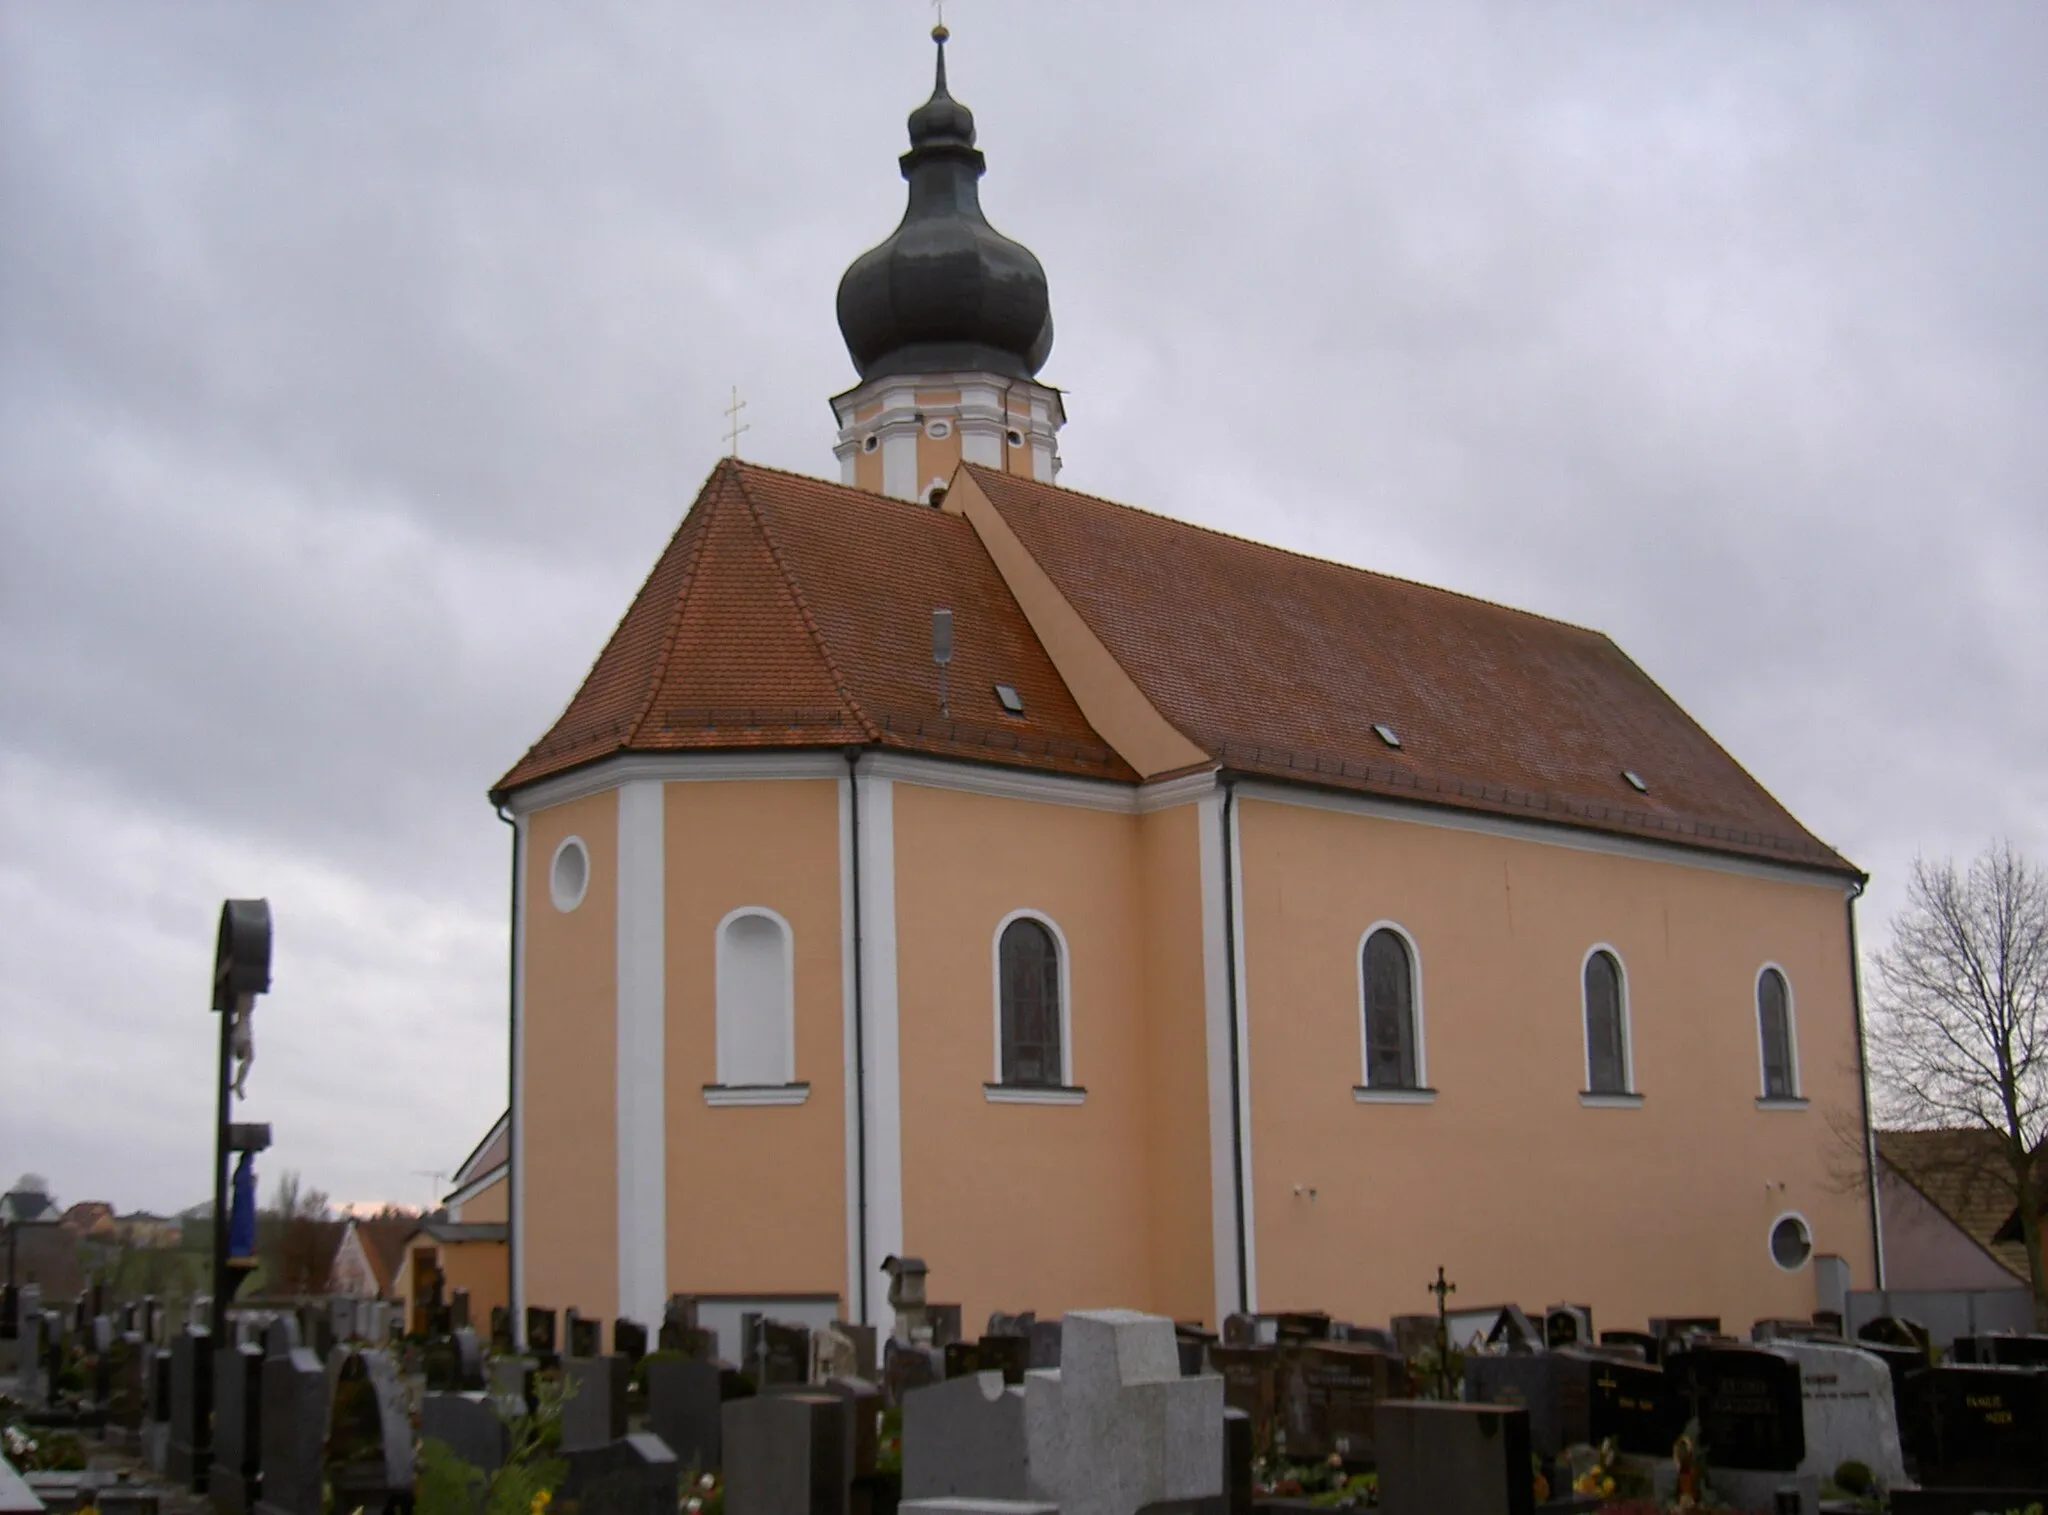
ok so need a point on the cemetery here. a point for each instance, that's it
(128, 1408)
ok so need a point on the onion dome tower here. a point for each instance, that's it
(947, 323)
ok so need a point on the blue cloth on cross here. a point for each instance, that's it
(242, 1212)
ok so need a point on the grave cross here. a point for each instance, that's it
(1443, 1289)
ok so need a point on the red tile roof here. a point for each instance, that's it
(1966, 1175)
(789, 612)
(1280, 664)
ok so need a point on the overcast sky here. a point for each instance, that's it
(356, 361)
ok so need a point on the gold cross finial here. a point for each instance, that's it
(734, 426)
(939, 32)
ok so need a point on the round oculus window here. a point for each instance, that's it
(1016, 439)
(938, 429)
(871, 444)
(569, 874)
(1791, 1242)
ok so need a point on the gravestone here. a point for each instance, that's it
(101, 1344)
(1240, 1330)
(865, 1362)
(594, 1414)
(1115, 1427)
(1044, 1336)
(1748, 1405)
(1849, 1413)
(469, 1425)
(1453, 1459)
(2005, 1350)
(515, 1384)
(1251, 1385)
(1301, 1325)
(501, 1330)
(540, 1334)
(191, 1443)
(944, 1321)
(679, 1329)
(1652, 1347)
(966, 1437)
(686, 1399)
(636, 1475)
(1896, 1331)
(126, 1387)
(629, 1340)
(785, 1454)
(369, 1440)
(156, 1425)
(961, 1358)
(1554, 1387)
(782, 1353)
(860, 1425)
(294, 1423)
(906, 1367)
(236, 1482)
(1978, 1427)
(1237, 1463)
(586, 1337)
(455, 1363)
(458, 1310)
(1634, 1403)
(1568, 1326)
(1326, 1393)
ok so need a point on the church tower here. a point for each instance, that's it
(947, 323)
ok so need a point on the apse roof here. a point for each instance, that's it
(792, 613)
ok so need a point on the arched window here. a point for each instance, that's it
(1029, 1013)
(1774, 1032)
(1606, 1025)
(1388, 975)
(756, 1000)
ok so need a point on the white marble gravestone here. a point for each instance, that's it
(1846, 1396)
(1115, 1427)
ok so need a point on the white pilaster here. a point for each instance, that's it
(516, 1123)
(1223, 1195)
(643, 1208)
(879, 1024)
(849, 991)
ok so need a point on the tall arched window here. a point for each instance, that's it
(1388, 974)
(1606, 1025)
(1774, 1031)
(756, 1000)
(1028, 1010)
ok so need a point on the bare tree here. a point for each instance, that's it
(1960, 1024)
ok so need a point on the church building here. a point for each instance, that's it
(941, 861)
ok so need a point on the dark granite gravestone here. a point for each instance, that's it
(1679, 1327)
(1436, 1458)
(865, 1363)
(458, 1310)
(782, 1353)
(1007, 1355)
(236, 1482)
(2004, 1350)
(680, 1332)
(1634, 1403)
(686, 1400)
(1896, 1331)
(1045, 1337)
(1237, 1463)
(962, 1358)
(540, 1334)
(156, 1422)
(1747, 1403)
(860, 1424)
(586, 1337)
(1326, 1393)
(369, 1440)
(191, 1408)
(501, 1330)
(629, 1340)
(945, 1323)
(636, 1475)
(126, 1390)
(1240, 1331)
(101, 1344)
(1301, 1325)
(294, 1423)
(594, 1413)
(1652, 1347)
(906, 1367)
(1554, 1387)
(1979, 1427)
(455, 1363)
(1568, 1326)
(10, 1312)
(785, 1454)
(1251, 1385)
(469, 1425)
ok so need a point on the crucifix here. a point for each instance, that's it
(1443, 1289)
(734, 426)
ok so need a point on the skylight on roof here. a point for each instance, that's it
(1012, 701)
(1635, 781)
(1386, 734)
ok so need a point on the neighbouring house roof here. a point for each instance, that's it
(88, 1215)
(382, 1239)
(789, 612)
(461, 1231)
(1963, 1174)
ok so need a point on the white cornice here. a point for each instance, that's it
(477, 1185)
(1002, 783)
(1535, 831)
(672, 768)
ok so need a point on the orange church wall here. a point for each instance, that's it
(487, 1207)
(568, 1102)
(1183, 1274)
(1020, 1207)
(756, 1195)
(1506, 1180)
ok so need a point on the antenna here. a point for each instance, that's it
(942, 651)
(439, 1179)
(734, 425)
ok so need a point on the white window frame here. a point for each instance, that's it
(1364, 1091)
(788, 996)
(998, 1091)
(1806, 1228)
(1629, 1095)
(1765, 1098)
(555, 896)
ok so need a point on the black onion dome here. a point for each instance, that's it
(947, 291)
